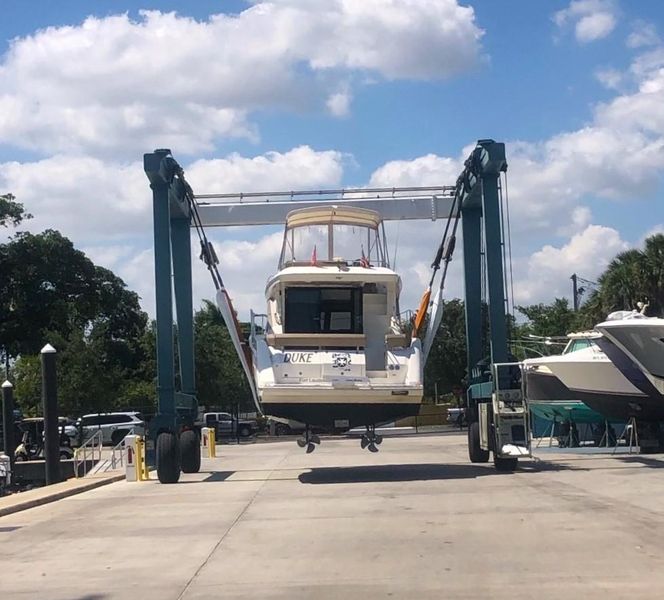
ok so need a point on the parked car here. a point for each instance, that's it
(113, 426)
(281, 426)
(227, 425)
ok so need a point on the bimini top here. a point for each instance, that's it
(337, 215)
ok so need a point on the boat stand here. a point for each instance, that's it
(630, 434)
(550, 436)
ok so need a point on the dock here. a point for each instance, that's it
(416, 520)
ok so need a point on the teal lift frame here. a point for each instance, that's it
(477, 189)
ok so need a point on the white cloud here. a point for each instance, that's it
(338, 103)
(617, 156)
(113, 84)
(592, 19)
(83, 197)
(107, 210)
(642, 34)
(654, 230)
(549, 269)
(301, 167)
(610, 78)
(426, 170)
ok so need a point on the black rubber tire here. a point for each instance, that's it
(168, 457)
(475, 453)
(118, 435)
(505, 464)
(282, 429)
(245, 431)
(190, 451)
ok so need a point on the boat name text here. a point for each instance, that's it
(298, 357)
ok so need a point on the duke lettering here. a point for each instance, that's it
(298, 357)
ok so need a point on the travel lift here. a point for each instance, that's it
(497, 416)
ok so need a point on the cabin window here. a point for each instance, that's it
(323, 310)
(579, 344)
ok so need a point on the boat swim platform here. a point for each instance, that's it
(415, 520)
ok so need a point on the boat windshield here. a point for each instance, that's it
(334, 242)
(579, 344)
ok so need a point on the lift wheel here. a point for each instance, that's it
(168, 457)
(190, 451)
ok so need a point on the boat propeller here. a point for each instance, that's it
(371, 440)
(308, 440)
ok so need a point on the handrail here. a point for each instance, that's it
(87, 451)
(258, 321)
(115, 462)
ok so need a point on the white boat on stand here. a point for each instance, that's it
(331, 350)
(637, 349)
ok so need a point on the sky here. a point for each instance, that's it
(310, 94)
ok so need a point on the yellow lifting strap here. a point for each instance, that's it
(421, 312)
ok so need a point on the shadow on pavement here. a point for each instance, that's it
(413, 472)
(646, 461)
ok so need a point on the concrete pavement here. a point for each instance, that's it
(51, 493)
(413, 521)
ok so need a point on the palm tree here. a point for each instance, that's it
(654, 265)
(632, 276)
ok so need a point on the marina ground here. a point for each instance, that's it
(416, 520)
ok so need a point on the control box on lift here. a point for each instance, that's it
(502, 419)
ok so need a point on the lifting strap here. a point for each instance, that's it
(209, 257)
(444, 255)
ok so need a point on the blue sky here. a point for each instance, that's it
(569, 86)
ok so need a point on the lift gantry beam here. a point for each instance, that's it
(272, 208)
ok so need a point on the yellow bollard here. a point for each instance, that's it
(141, 462)
(213, 442)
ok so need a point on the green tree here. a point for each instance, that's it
(27, 379)
(49, 286)
(446, 365)
(220, 380)
(553, 319)
(54, 293)
(632, 276)
(11, 211)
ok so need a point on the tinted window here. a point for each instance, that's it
(92, 420)
(579, 345)
(323, 310)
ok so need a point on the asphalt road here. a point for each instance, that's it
(413, 521)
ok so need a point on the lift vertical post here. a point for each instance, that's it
(182, 282)
(177, 446)
(153, 164)
(496, 414)
(480, 210)
(471, 224)
(494, 263)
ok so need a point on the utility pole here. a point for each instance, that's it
(575, 292)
